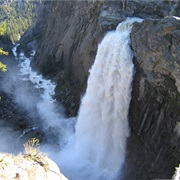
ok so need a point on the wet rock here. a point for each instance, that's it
(72, 30)
(114, 12)
(68, 47)
(71, 48)
(153, 148)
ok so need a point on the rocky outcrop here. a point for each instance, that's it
(71, 32)
(114, 12)
(68, 48)
(28, 167)
(153, 148)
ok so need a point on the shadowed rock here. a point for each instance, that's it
(153, 147)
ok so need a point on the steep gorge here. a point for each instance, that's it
(154, 112)
(67, 46)
(67, 50)
(66, 35)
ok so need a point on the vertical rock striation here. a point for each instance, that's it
(114, 12)
(153, 149)
(67, 33)
(67, 48)
(31, 39)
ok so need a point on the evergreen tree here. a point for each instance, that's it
(18, 16)
(2, 52)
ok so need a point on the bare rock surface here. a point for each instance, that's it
(153, 147)
(67, 50)
(66, 36)
(28, 167)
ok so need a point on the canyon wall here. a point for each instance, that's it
(68, 47)
(66, 35)
(153, 147)
(66, 52)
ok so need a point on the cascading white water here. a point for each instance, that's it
(102, 126)
(97, 149)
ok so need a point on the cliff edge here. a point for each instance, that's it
(33, 165)
(67, 51)
(153, 148)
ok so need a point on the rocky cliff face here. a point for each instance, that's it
(114, 12)
(34, 167)
(68, 33)
(67, 50)
(153, 148)
(34, 35)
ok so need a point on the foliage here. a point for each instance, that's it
(2, 67)
(25, 166)
(2, 52)
(32, 152)
(18, 16)
(31, 147)
(2, 28)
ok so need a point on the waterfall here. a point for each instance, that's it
(102, 126)
(97, 149)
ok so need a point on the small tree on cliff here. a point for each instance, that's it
(2, 52)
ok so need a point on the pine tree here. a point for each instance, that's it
(18, 16)
(2, 28)
(2, 52)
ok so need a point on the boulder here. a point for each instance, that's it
(28, 167)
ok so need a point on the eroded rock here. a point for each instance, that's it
(153, 147)
(71, 33)
(28, 167)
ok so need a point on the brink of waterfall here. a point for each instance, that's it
(102, 125)
(97, 148)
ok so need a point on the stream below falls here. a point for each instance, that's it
(91, 146)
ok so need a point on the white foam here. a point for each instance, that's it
(51, 115)
(176, 17)
(98, 148)
(28, 74)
